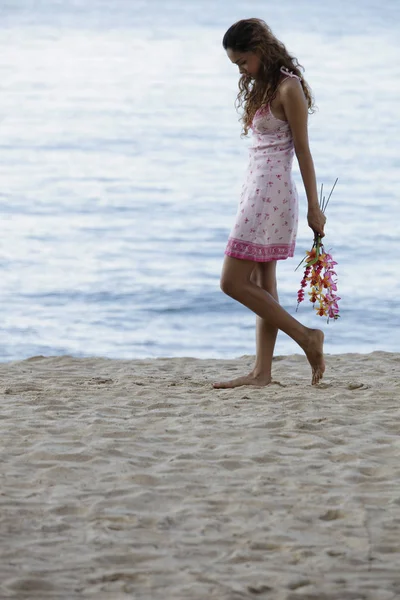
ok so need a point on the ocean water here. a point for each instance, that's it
(121, 163)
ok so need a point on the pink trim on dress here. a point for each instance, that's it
(258, 252)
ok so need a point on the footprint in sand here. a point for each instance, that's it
(323, 386)
(19, 388)
(259, 589)
(331, 515)
(357, 386)
(100, 381)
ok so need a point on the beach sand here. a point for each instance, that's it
(135, 479)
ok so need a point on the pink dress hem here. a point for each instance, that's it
(258, 252)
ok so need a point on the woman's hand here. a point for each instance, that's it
(316, 220)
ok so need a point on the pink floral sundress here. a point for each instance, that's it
(266, 222)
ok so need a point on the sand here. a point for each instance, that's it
(135, 479)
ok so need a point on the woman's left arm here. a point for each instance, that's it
(295, 106)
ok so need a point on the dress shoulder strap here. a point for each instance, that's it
(288, 73)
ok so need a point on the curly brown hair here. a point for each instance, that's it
(254, 35)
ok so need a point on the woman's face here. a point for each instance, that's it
(248, 62)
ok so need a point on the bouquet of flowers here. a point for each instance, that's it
(318, 274)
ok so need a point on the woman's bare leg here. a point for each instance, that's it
(236, 282)
(266, 332)
(263, 275)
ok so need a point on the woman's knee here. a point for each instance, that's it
(235, 277)
(228, 285)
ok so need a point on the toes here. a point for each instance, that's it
(223, 385)
(317, 376)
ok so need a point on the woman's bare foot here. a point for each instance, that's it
(250, 379)
(315, 354)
